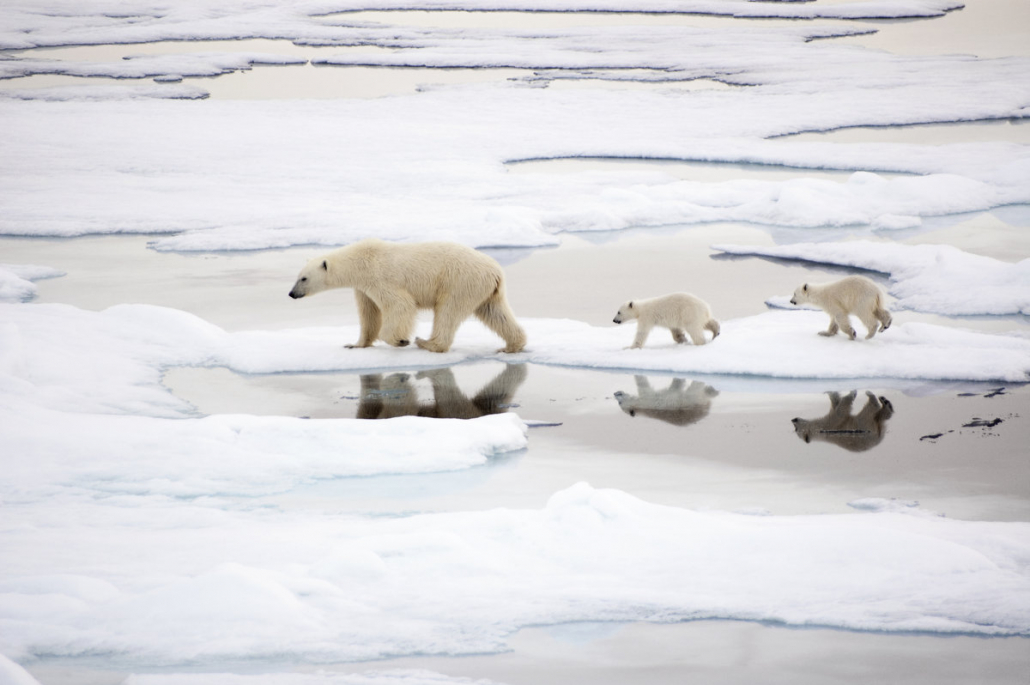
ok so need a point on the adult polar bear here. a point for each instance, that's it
(392, 281)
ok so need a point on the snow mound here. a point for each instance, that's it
(16, 280)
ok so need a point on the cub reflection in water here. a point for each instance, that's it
(854, 432)
(679, 404)
(397, 395)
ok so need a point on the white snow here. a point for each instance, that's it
(931, 278)
(378, 677)
(445, 179)
(228, 582)
(138, 532)
(16, 280)
(13, 674)
(134, 468)
(116, 168)
(29, 23)
(146, 66)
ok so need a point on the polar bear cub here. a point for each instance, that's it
(851, 295)
(682, 313)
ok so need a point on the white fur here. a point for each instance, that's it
(392, 281)
(681, 313)
(850, 295)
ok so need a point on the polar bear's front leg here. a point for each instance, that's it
(643, 330)
(832, 330)
(370, 318)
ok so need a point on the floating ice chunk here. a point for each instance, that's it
(16, 280)
(932, 278)
(116, 362)
(882, 504)
(785, 344)
(106, 93)
(239, 455)
(28, 23)
(376, 677)
(13, 674)
(147, 66)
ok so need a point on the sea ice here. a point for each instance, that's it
(930, 278)
(16, 280)
(136, 531)
(230, 581)
(346, 169)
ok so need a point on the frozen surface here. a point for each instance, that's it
(140, 534)
(115, 166)
(931, 278)
(116, 365)
(16, 280)
(29, 24)
(452, 583)
(378, 677)
(72, 170)
(459, 583)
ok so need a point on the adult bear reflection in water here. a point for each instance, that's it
(679, 404)
(854, 432)
(397, 395)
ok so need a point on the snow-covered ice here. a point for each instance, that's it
(140, 532)
(191, 477)
(447, 178)
(460, 583)
(16, 280)
(941, 279)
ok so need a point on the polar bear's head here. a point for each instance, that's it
(800, 295)
(626, 312)
(312, 278)
(803, 428)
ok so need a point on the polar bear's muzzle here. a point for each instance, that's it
(617, 319)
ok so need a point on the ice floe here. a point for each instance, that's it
(16, 280)
(267, 174)
(146, 66)
(390, 676)
(118, 169)
(931, 278)
(337, 587)
(119, 354)
(28, 24)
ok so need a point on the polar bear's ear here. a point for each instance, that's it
(630, 305)
(805, 287)
(325, 267)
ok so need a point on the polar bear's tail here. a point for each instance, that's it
(713, 326)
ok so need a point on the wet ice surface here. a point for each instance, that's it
(209, 469)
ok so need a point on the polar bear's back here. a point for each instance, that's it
(429, 270)
(850, 294)
(675, 309)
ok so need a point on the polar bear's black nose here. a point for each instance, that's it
(793, 301)
(616, 320)
(295, 295)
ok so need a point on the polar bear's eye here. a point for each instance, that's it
(304, 280)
